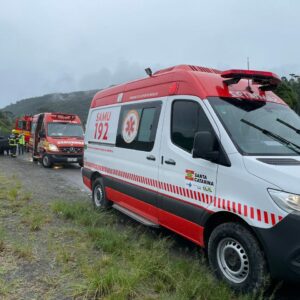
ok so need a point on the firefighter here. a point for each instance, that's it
(21, 143)
(13, 143)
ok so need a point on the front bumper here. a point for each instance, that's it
(66, 158)
(282, 248)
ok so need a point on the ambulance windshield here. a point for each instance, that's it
(65, 130)
(259, 128)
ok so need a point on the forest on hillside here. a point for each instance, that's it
(73, 103)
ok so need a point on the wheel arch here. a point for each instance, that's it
(222, 217)
(94, 176)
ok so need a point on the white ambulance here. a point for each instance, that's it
(210, 155)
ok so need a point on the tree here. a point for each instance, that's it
(287, 91)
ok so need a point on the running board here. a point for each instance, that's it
(134, 216)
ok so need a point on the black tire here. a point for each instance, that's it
(236, 258)
(46, 162)
(98, 196)
(81, 164)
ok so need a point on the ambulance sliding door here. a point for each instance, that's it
(187, 184)
(136, 158)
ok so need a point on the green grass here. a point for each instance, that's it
(131, 264)
(34, 217)
(91, 255)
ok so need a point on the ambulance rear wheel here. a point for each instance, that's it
(236, 258)
(99, 196)
(46, 162)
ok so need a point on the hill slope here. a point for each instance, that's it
(5, 122)
(75, 102)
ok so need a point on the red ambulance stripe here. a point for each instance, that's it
(233, 207)
(245, 210)
(239, 208)
(252, 212)
(273, 219)
(207, 198)
(181, 191)
(228, 205)
(192, 194)
(258, 214)
(188, 194)
(195, 195)
(171, 187)
(266, 217)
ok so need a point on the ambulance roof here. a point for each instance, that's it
(185, 80)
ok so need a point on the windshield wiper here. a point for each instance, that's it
(288, 125)
(275, 136)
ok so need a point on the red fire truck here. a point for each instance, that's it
(23, 125)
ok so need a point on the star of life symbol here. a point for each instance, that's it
(130, 126)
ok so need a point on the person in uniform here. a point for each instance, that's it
(21, 143)
(13, 143)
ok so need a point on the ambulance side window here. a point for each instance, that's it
(187, 118)
(137, 126)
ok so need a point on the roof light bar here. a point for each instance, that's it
(267, 80)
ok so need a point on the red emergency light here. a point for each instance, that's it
(60, 116)
(267, 80)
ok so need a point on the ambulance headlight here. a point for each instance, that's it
(286, 201)
(52, 147)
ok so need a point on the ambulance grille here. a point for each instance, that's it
(71, 149)
(280, 161)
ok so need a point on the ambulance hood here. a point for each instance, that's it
(66, 141)
(283, 172)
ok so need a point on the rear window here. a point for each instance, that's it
(138, 125)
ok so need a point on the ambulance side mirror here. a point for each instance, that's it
(204, 143)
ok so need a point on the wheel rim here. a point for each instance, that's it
(233, 260)
(46, 161)
(98, 196)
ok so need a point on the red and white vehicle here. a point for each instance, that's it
(56, 138)
(211, 155)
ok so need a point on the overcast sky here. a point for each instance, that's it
(66, 45)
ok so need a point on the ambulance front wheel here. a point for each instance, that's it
(46, 162)
(236, 258)
(99, 196)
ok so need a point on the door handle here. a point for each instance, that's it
(151, 157)
(170, 162)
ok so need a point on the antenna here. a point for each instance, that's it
(248, 67)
